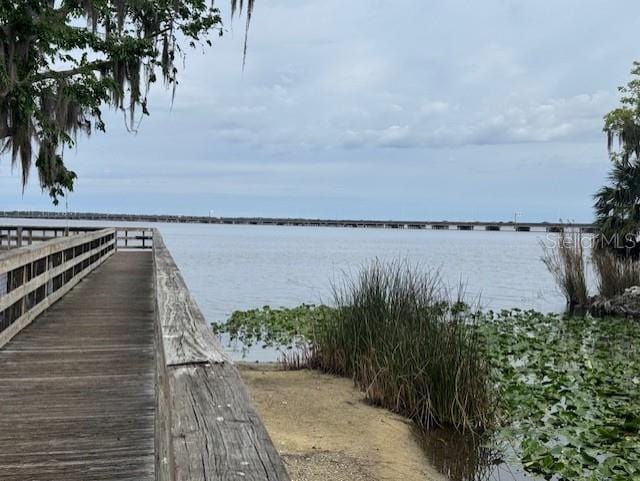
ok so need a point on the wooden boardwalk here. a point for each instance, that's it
(77, 387)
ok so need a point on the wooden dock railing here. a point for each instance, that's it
(34, 277)
(206, 428)
(205, 425)
(12, 237)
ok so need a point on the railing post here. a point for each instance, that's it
(19, 236)
(24, 306)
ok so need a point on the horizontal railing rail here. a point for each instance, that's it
(206, 427)
(12, 237)
(135, 238)
(34, 277)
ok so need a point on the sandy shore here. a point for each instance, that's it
(326, 431)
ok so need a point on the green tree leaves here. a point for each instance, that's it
(617, 205)
(62, 62)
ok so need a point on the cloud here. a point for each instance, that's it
(491, 62)
(414, 90)
(433, 108)
(574, 119)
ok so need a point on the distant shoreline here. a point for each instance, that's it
(301, 222)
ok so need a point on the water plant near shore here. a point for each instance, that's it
(568, 392)
(395, 330)
(566, 262)
(408, 345)
(277, 328)
(614, 273)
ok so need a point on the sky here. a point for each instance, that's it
(410, 109)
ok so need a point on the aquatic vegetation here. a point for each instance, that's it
(568, 387)
(461, 457)
(278, 328)
(615, 273)
(394, 330)
(570, 393)
(408, 345)
(565, 261)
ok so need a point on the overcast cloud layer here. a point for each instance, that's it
(439, 110)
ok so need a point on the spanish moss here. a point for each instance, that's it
(57, 75)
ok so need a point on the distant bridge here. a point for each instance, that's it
(273, 221)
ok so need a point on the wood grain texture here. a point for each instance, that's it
(77, 386)
(21, 257)
(14, 258)
(207, 428)
(215, 431)
(186, 336)
(19, 324)
(16, 294)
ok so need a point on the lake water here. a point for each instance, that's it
(229, 267)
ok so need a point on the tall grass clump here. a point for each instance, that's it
(565, 260)
(408, 346)
(614, 273)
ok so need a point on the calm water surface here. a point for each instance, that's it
(242, 267)
(239, 267)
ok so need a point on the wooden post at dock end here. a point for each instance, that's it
(18, 236)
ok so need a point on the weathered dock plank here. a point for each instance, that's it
(77, 387)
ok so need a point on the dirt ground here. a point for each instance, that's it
(326, 431)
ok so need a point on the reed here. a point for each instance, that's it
(614, 273)
(409, 344)
(565, 260)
